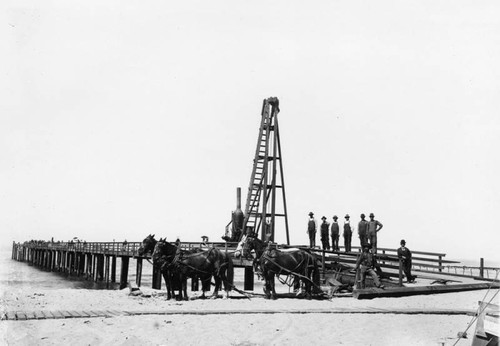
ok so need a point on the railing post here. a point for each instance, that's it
(400, 272)
(440, 263)
(323, 262)
(481, 267)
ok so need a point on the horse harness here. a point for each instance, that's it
(267, 256)
(180, 256)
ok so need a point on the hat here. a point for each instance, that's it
(371, 215)
(346, 216)
(311, 213)
(204, 237)
(323, 218)
(402, 241)
(362, 215)
(335, 217)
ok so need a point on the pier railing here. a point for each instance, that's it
(422, 261)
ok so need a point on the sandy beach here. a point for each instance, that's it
(152, 320)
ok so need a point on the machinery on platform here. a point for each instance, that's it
(266, 200)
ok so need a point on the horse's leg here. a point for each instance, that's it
(273, 291)
(166, 278)
(183, 280)
(205, 285)
(217, 286)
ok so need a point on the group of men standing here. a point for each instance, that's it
(367, 232)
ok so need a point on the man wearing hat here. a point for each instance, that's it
(204, 241)
(363, 231)
(325, 239)
(347, 233)
(366, 264)
(335, 234)
(311, 230)
(373, 227)
(404, 255)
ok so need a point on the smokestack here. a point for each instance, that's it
(238, 198)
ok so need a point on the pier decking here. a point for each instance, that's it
(97, 261)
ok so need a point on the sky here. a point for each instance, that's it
(125, 118)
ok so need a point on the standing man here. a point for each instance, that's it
(373, 227)
(325, 239)
(311, 230)
(404, 255)
(335, 234)
(367, 264)
(347, 234)
(363, 231)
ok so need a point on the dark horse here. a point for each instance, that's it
(171, 279)
(297, 263)
(203, 264)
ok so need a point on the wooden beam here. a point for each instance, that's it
(370, 293)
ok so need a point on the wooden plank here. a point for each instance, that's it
(30, 315)
(84, 314)
(370, 293)
(76, 313)
(39, 315)
(66, 314)
(99, 313)
(11, 315)
(57, 314)
(48, 314)
(21, 315)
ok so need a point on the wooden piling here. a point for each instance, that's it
(94, 267)
(113, 268)
(100, 267)
(481, 267)
(248, 283)
(138, 271)
(124, 271)
(156, 278)
(106, 272)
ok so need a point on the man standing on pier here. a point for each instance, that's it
(363, 231)
(311, 230)
(335, 234)
(347, 234)
(366, 264)
(373, 227)
(325, 239)
(404, 255)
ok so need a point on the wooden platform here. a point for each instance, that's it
(63, 314)
(370, 293)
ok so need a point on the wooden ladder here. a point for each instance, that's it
(261, 197)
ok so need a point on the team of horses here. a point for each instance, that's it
(298, 266)
(177, 265)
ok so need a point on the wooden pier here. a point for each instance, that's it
(98, 261)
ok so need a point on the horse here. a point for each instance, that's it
(298, 263)
(171, 279)
(200, 264)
